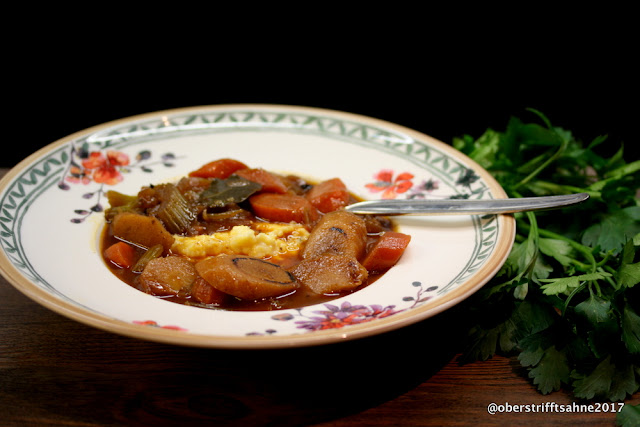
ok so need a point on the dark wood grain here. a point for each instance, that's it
(57, 372)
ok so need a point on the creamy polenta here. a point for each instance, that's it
(263, 240)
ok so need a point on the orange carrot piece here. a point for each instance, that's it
(270, 183)
(386, 251)
(283, 208)
(329, 195)
(121, 254)
(207, 294)
(221, 168)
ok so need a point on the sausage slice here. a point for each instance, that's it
(246, 277)
(330, 274)
(167, 276)
(338, 233)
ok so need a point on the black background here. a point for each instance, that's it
(586, 85)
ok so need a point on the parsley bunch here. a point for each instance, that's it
(567, 300)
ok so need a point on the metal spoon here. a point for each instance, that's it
(464, 206)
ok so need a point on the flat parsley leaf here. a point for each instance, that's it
(525, 319)
(558, 249)
(484, 149)
(521, 257)
(628, 274)
(629, 416)
(595, 309)
(597, 383)
(624, 382)
(533, 348)
(482, 343)
(631, 329)
(552, 371)
(614, 230)
(609, 380)
(566, 284)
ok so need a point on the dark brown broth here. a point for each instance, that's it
(300, 298)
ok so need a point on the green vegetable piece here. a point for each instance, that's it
(151, 253)
(119, 202)
(174, 211)
(224, 192)
(116, 199)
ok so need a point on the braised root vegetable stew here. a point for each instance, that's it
(229, 236)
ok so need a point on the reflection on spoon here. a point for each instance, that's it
(465, 206)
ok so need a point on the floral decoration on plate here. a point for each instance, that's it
(106, 168)
(337, 316)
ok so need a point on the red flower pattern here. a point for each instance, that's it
(78, 175)
(335, 317)
(155, 324)
(105, 169)
(390, 186)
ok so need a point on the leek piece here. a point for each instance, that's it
(119, 203)
(151, 253)
(117, 199)
(174, 211)
(220, 216)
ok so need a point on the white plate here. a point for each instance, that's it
(50, 220)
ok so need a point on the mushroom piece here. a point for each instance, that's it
(246, 277)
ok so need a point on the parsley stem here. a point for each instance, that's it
(604, 259)
(598, 290)
(564, 189)
(543, 166)
(615, 285)
(571, 295)
(584, 250)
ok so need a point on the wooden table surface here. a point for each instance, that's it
(57, 372)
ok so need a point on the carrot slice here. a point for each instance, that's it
(207, 294)
(283, 208)
(221, 168)
(121, 254)
(270, 183)
(329, 195)
(386, 251)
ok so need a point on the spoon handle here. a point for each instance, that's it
(464, 206)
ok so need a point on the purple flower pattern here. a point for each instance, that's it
(346, 314)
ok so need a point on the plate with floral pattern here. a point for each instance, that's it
(52, 204)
